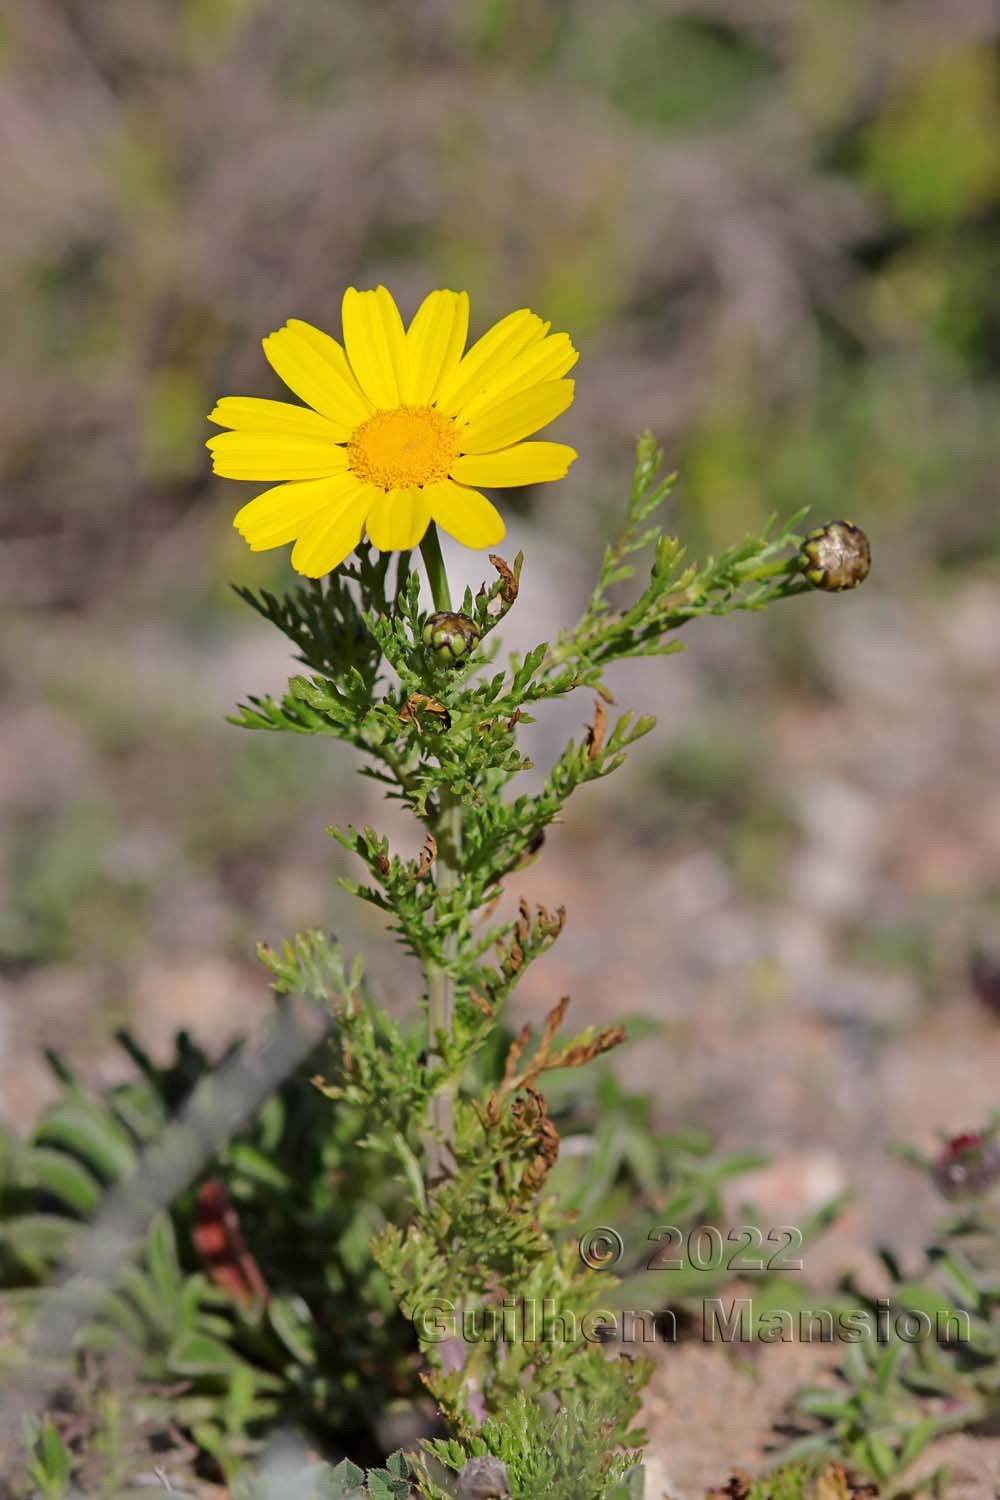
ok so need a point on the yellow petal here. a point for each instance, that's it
(525, 463)
(515, 418)
(376, 345)
(398, 520)
(488, 356)
(250, 413)
(274, 455)
(314, 366)
(281, 514)
(545, 361)
(435, 340)
(328, 539)
(465, 514)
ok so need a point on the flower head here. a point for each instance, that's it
(399, 428)
(451, 635)
(836, 556)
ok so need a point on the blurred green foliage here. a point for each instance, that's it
(69, 900)
(310, 1335)
(682, 72)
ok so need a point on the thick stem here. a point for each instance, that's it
(440, 1011)
(430, 548)
(441, 992)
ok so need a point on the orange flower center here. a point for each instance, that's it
(409, 445)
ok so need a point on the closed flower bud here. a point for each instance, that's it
(837, 556)
(968, 1164)
(483, 1478)
(451, 635)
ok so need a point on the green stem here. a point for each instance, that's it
(440, 983)
(441, 992)
(748, 574)
(434, 563)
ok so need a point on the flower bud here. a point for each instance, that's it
(836, 556)
(483, 1478)
(967, 1165)
(451, 635)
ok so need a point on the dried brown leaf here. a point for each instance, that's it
(596, 732)
(428, 855)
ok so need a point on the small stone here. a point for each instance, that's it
(789, 1188)
(483, 1479)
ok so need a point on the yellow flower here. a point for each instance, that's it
(398, 428)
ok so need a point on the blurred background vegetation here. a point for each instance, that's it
(771, 227)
